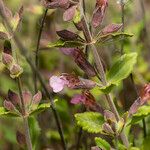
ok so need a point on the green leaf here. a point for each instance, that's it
(61, 43)
(90, 121)
(101, 143)
(40, 108)
(122, 68)
(146, 143)
(6, 113)
(34, 131)
(142, 112)
(107, 89)
(109, 38)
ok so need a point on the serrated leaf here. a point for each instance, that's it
(142, 112)
(101, 143)
(90, 121)
(61, 43)
(122, 68)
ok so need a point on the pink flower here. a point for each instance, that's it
(57, 83)
(71, 81)
(77, 99)
(88, 100)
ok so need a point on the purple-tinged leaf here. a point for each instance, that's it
(69, 13)
(64, 4)
(111, 28)
(135, 106)
(145, 93)
(107, 128)
(7, 59)
(83, 63)
(50, 4)
(75, 82)
(99, 12)
(68, 51)
(27, 97)
(14, 98)
(79, 25)
(37, 98)
(67, 35)
(109, 116)
(8, 105)
(143, 99)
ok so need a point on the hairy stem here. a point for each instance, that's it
(25, 119)
(37, 49)
(88, 37)
(24, 51)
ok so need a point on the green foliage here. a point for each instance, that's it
(120, 70)
(142, 112)
(146, 143)
(5, 113)
(40, 108)
(61, 43)
(101, 143)
(35, 131)
(90, 121)
(112, 37)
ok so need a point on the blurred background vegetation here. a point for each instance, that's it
(52, 61)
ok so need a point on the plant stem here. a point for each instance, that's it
(123, 24)
(37, 49)
(25, 118)
(144, 128)
(116, 142)
(88, 37)
(33, 67)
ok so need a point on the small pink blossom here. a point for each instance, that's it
(57, 83)
(77, 99)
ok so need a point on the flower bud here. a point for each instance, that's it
(14, 98)
(8, 105)
(107, 128)
(109, 116)
(15, 71)
(7, 59)
(37, 98)
(27, 97)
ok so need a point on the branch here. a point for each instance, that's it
(37, 49)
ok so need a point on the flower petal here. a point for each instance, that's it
(57, 83)
(77, 99)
